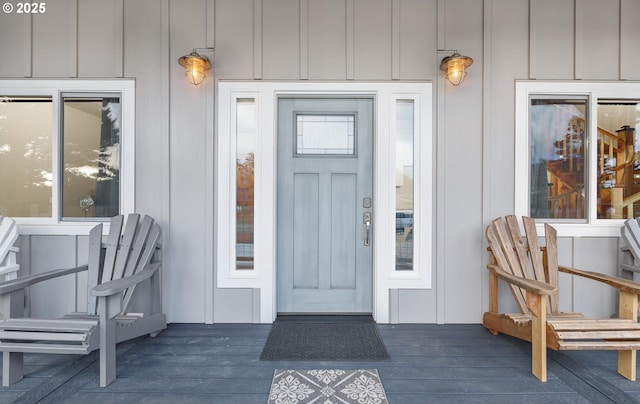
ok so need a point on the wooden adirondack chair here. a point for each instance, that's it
(8, 236)
(531, 272)
(128, 258)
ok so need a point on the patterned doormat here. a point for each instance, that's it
(324, 338)
(327, 386)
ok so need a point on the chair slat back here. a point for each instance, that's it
(536, 254)
(524, 257)
(551, 242)
(147, 251)
(8, 235)
(96, 257)
(111, 247)
(138, 246)
(123, 255)
(503, 251)
(128, 249)
(520, 247)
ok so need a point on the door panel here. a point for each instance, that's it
(343, 231)
(324, 174)
(305, 231)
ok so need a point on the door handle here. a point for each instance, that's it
(366, 219)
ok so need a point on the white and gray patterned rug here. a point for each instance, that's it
(327, 386)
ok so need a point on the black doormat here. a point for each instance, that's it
(324, 338)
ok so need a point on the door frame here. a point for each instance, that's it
(262, 279)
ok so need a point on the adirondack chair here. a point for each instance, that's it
(128, 258)
(531, 271)
(8, 236)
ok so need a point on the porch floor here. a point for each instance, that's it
(198, 363)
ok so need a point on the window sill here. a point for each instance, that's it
(59, 228)
(609, 229)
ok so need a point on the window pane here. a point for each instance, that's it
(91, 157)
(558, 157)
(325, 134)
(245, 164)
(25, 156)
(618, 163)
(404, 185)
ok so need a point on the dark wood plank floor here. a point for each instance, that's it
(197, 363)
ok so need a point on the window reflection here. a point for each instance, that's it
(404, 184)
(245, 180)
(558, 158)
(618, 159)
(26, 125)
(91, 157)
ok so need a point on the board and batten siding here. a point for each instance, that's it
(337, 40)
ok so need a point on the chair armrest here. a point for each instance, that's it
(7, 269)
(537, 287)
(618, 283)
(118, 285)
(26, 281)
(630, 268)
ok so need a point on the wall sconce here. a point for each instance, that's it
(455, 66)
(195, 66)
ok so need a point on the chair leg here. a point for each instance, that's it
(109, 307)
(628, 309)
(12, 367)
(627, 364)
(107, 352)
(538, 306)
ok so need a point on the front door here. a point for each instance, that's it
(324, 235)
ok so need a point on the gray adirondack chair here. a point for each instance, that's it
(8, 236)
(129, 256)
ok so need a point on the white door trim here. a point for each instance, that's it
(263, 276)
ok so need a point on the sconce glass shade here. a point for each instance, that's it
(455, 66)
(195, 66)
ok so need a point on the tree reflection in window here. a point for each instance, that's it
(91, 156)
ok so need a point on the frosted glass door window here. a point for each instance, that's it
(325, 134)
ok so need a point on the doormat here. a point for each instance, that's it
(324, 338)
(327, 386)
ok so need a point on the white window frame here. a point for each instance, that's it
(55, 89)
(263, 276)
(593, 227)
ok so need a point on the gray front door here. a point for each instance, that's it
(324, 233)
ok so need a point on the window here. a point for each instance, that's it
(68, 145)
(582, 161)
(245, 181)
(325, 134)
(404, 184)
